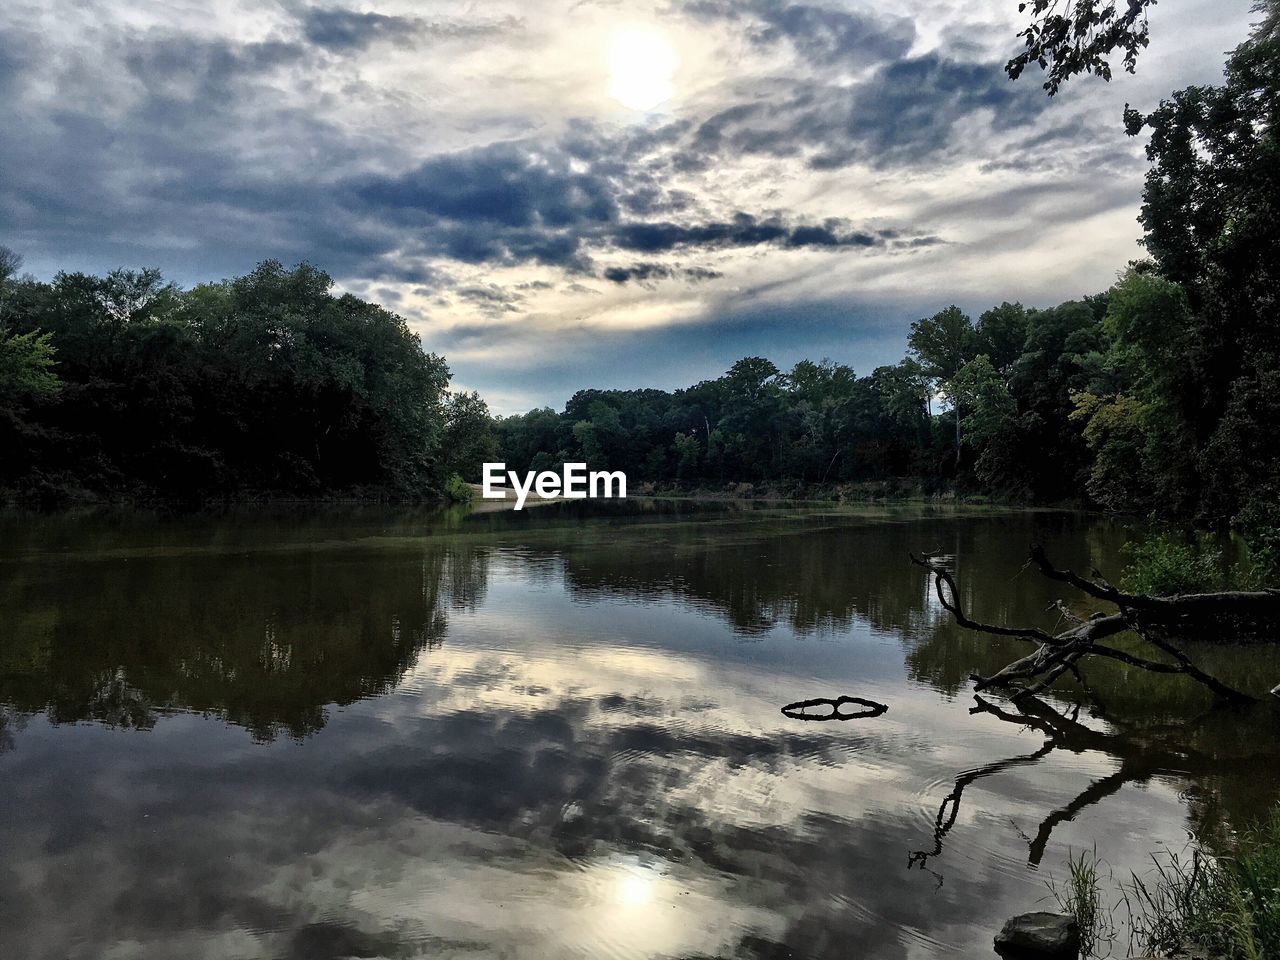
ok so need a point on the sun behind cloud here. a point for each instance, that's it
(642, 62)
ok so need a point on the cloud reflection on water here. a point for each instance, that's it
(535, 742)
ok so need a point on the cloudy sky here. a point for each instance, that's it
(591, 193)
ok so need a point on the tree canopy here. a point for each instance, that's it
(264, 385)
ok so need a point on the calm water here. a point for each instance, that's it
(371, 733)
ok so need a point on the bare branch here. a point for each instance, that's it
(1151, 618)
(952, 606)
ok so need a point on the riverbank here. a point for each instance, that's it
(1214, 904)
(897, 490)
(894, 490)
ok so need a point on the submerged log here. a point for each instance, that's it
(1231, 616)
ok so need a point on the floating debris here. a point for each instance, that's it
(799, 709)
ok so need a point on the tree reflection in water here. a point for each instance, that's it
(266, 638)
(1161, 751)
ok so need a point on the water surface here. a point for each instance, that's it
(392, 733)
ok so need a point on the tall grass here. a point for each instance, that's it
(1227, 905)
(1081, 896)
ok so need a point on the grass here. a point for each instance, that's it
(1081, 896)
(1227, 905)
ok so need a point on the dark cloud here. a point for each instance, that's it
(347, 29)
(651, 200)
(646, 271)
(913, 106)
(916, 242)
(11, 63)
(491, 298)
(905, 114)
(819, 34)
(188, 67)
(637, 271)
(744, 230)
(504, 184)
(343, 30)
(527, 202)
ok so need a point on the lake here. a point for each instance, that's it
(378, 732)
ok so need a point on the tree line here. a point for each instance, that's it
(265, 385)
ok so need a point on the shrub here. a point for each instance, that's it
(1162, 566)
(457, 489)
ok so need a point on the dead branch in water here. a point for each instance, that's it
(1160, 621)
(834, 709)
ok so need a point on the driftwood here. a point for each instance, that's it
(1229, 616)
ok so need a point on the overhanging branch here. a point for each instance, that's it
(1154, 619)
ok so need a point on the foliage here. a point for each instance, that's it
(267, 384)
(468, 440)
(1118, 478)
(1077, 36)
(818, 422)
(26, 365)
(10, 263)
(1164, 565)
(1209, 212)
(943, 343)
(1001, 333)
(1227, 904)
(1259, 524)
(983, 395)
(457, 489)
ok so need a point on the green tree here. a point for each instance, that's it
(989, 411)
(1119, 478)
(688, 452)
(943, 344)
(1002, 335)
(982, 393)
(267, 383)
(1209, 210)
(26, 365)
(468, 438)
(1155, 336)
(523, 437)
(10, 264)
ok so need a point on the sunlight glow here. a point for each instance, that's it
(634, 890)
(641, 65)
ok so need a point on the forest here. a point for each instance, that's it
(268, 385)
